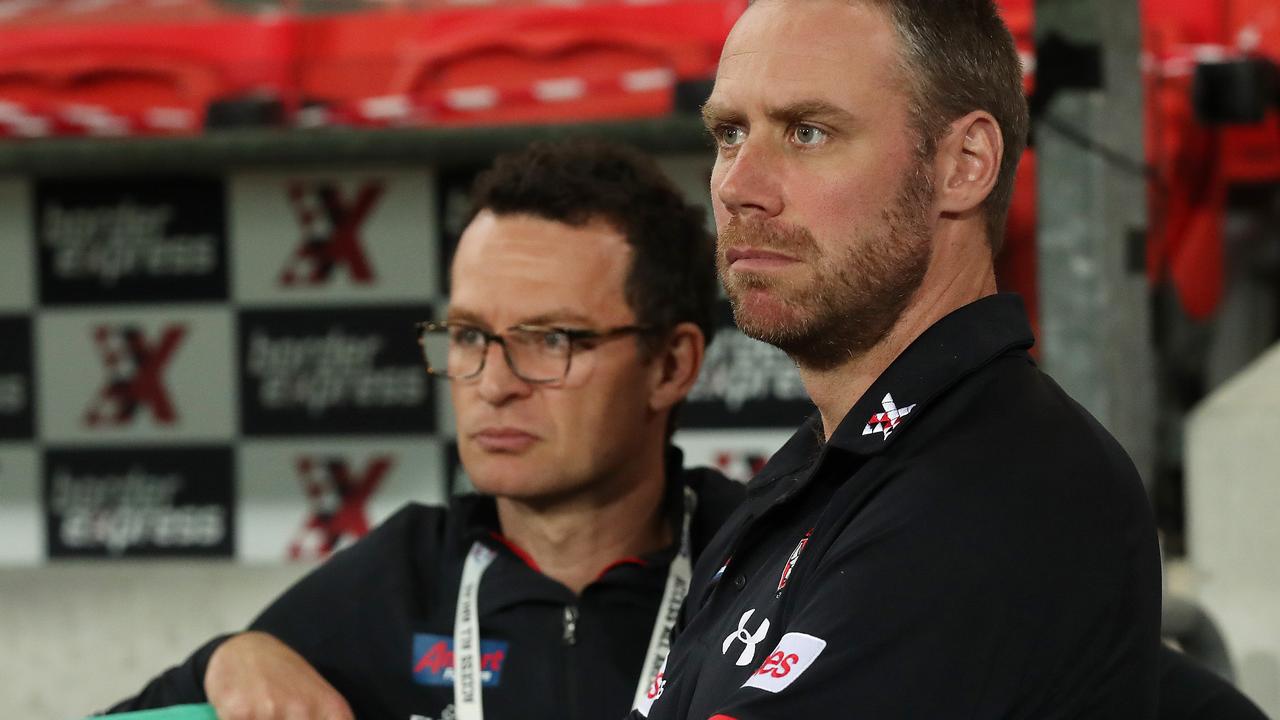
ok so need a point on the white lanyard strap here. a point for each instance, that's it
(669, 611)
(467, 671)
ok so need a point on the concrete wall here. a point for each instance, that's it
(1233, 518)
(79, 636)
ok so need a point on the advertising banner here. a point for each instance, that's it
(150, 374)
(348, 371)
(305, 499)
(140, 502)
(745, 383)
(126, 240)
(343, 237)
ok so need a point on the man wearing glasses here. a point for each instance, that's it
(583, 293)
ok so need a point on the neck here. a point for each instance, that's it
(574, 540)
(951, 282)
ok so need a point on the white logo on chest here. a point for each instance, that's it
(750, 639)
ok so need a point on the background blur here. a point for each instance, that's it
(219, 220)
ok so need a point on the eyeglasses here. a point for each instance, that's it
(535, 354)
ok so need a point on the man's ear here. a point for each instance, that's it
(967, 165)
(676, 365)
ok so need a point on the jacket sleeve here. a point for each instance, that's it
(181, 684)
(303, 617)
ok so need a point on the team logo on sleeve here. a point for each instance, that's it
(433, 660)
(795, 653)
(887, 421)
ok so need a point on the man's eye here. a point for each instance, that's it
(555, 341)
(809, 135)
(467, 336)
(729, 135)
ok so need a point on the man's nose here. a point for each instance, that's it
(748, 183)
(498, 382)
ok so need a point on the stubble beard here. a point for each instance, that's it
(852, 300)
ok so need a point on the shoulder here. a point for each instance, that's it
(385, 563)
(1006, 467)
(1009, 439)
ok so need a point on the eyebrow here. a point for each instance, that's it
(803, 110)
(714, 114)
(796, 112)
(558, 316)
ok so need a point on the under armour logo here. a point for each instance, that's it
(330, 233)
(886, 421)
(338, 497)
(134, 368)
(748, 639)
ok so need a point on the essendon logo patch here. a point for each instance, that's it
(433, 660)
(338, 497)
(330, 224)
(135, 368)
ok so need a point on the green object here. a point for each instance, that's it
(177, 712)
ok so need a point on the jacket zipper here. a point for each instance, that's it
(570, 639)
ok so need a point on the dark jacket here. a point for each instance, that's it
(376, 620)
(969, 543)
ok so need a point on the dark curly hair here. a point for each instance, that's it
(672, 277)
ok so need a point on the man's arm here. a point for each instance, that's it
(265, 672)
(178, 685)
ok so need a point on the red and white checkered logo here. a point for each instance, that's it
(330, 225)
(135, 371)
(886, 422)
(338, 496)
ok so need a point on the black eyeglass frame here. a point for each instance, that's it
(573, 335)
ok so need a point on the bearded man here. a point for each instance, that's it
(951, 536)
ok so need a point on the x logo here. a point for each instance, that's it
(338, 498)
(134, 370)
(330, 233)
(888, 420)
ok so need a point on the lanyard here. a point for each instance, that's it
(467, 671)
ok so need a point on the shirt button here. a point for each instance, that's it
(740, 582)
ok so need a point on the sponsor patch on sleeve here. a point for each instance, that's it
(793, 655)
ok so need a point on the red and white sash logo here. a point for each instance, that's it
(135, 370)
(338, 498)
(330, 227)
(795, 653)
(791, 561)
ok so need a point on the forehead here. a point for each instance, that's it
(513, 268)
(844, 52)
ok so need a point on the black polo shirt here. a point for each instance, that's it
(969, 543)
(377, 619)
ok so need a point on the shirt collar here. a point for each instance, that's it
(951, 349)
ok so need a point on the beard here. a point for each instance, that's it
(854, 296)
